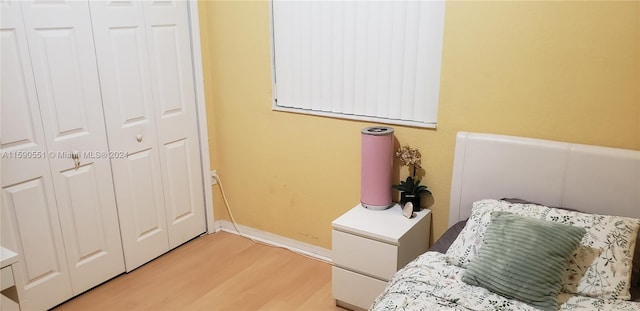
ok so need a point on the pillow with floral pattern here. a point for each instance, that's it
(600, 267)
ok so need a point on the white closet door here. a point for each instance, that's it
(175, 110)
(30, 223)
(121, 48)
(66, 77)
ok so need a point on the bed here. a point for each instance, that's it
(533, 225)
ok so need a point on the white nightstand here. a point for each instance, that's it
(369, 247)
(9, 297)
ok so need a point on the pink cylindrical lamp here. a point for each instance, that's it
(377, 164)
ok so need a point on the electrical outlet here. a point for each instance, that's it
(214, 176)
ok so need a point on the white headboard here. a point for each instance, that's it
(591, 179)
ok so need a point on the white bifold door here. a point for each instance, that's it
(59, 213)
(146, 74)
(100, 168)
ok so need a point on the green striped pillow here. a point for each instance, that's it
(524, 258)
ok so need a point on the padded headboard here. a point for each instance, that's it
(591, 179)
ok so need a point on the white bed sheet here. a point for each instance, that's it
(430, 283)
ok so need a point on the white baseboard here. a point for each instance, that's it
(275, 240)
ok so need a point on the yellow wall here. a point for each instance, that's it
(561, 70)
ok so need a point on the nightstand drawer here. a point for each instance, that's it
(364, 255)
(6, 278)
(355, 289)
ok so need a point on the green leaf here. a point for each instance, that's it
(411, 186)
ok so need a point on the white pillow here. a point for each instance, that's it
(600, 267)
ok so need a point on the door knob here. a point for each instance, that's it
(139, 138)
(75, 156)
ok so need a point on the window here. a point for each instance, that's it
(366, 60)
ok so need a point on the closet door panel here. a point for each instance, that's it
(171, 68)
(31, 228)
(143, 225)
(62, 51)
(146, 219)
(173, 85)
(30, 224)
(85, 212)
(18, 128)
(121, 50)
(29, 205)
(62, 82)
(89, 228)
(169, 74)
(179, 180)
(20, 125)
(120, 41)
(61, 46)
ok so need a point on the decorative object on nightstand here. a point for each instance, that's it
(410, 190)
(369, 247)
(376, 167)
(407, 210)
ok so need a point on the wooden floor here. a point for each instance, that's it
(220, 271)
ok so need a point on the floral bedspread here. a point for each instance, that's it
(430, 283)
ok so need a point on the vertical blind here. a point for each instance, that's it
(368, 60)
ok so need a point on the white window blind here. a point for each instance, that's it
(368, 60)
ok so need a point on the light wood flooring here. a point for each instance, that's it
(221, 271)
